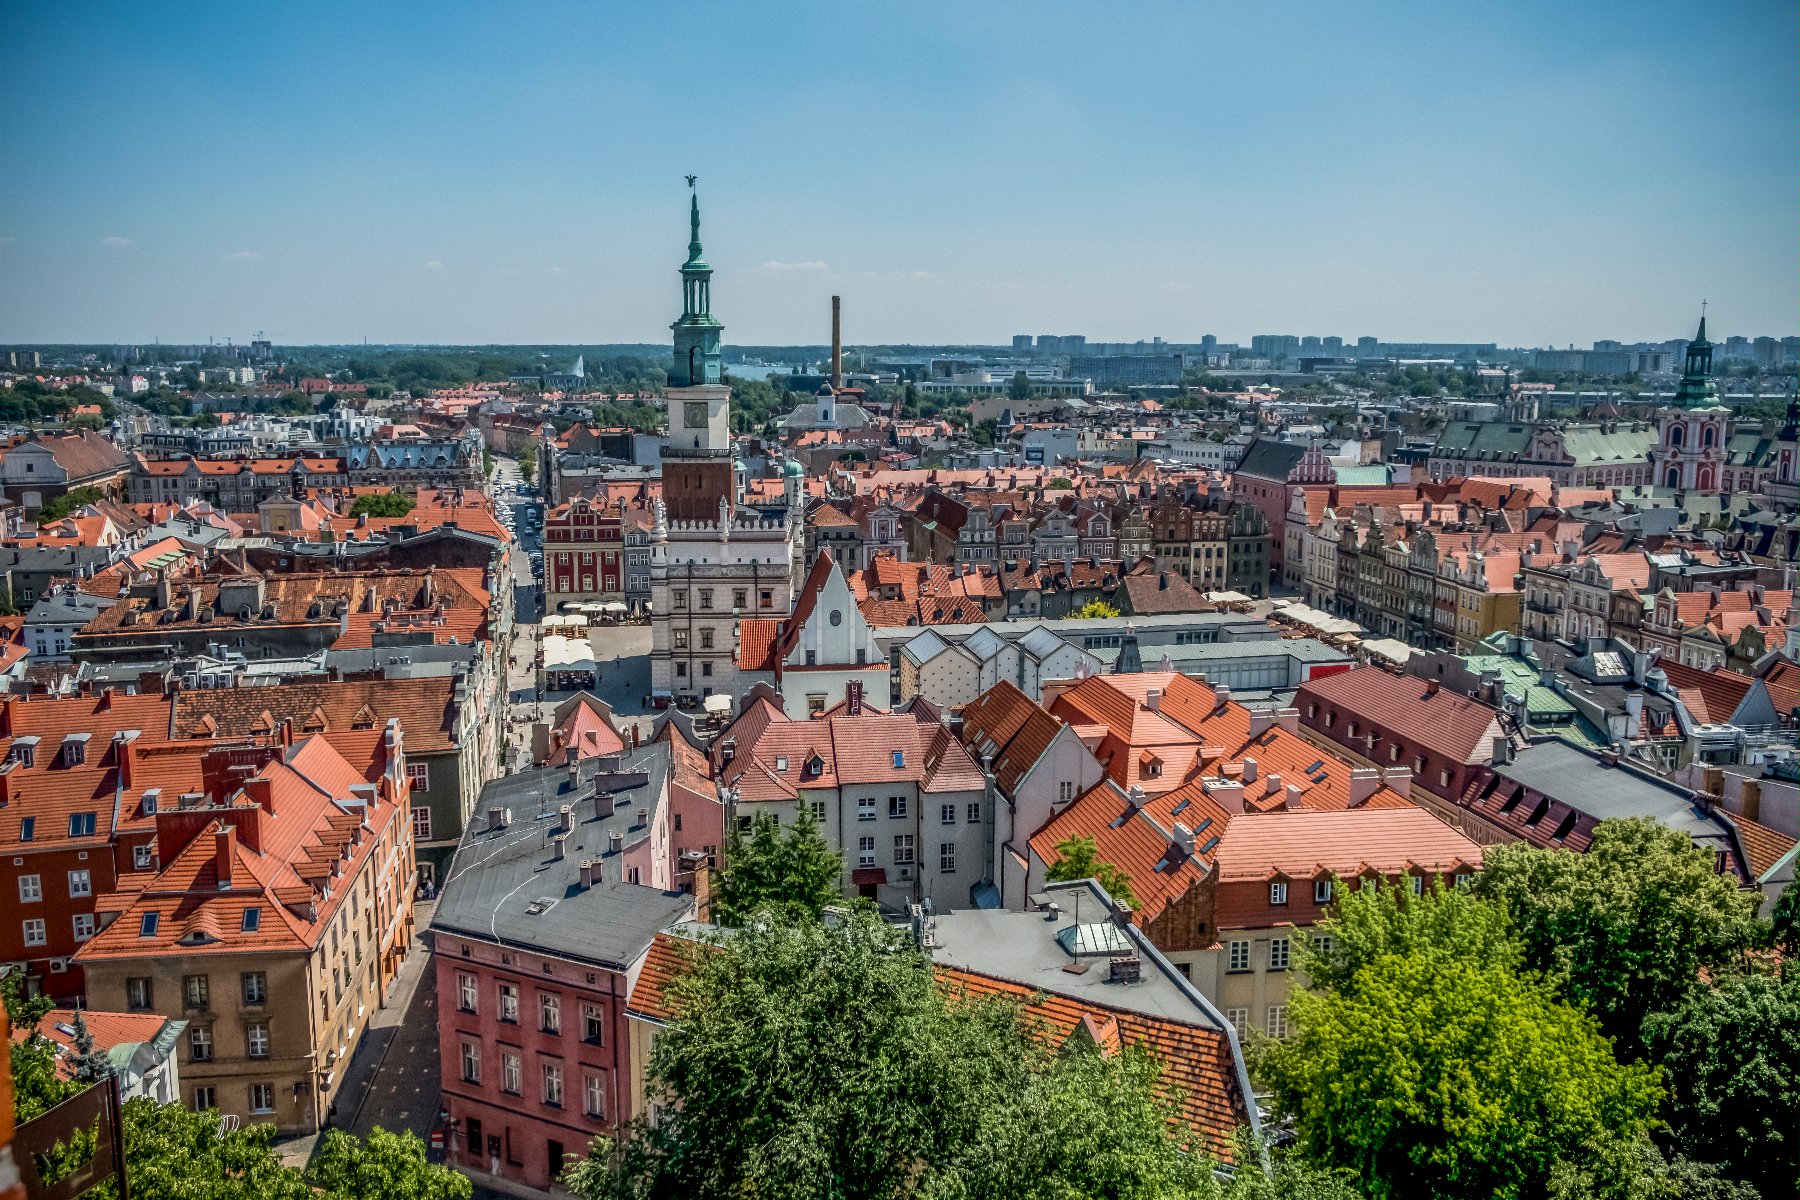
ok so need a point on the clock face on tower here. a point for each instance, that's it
(694, 415)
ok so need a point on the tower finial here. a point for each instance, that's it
(1701, 336)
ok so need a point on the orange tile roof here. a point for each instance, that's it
(1302, 845)
(350, 713)
(109, 1029)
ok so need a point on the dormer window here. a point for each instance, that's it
(74, 749)
(152, 797)
(780, 763)
(24, 752)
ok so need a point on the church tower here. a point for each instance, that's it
(1691, 437)
(697, 457)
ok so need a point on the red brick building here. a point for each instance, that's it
(1385, 720)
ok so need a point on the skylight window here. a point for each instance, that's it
(147, 924)
(252, 920)
(899, 759)
(81, 824)
(27, 828)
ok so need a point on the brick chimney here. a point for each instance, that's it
(1364, 782)
(224, 853)
(1249, 769)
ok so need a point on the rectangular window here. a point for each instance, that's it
(418, 776)
(511, 1073)
(140, 856)
(740, 597)
(1463, 879)
(262, 1097)
(200, 1046)
(1239, 1019)
(593, 1095)
(1278, 1021)
(465, 993)
(946, 814)
(471, 1062)
(81, 825)
(865, 808)
(896, 806)
(947, 857)
(899, 759)
(680, 636)
(196, 990)
(705, 598)
(1322, 943)
(31, 889)
(1417, 883)
(973, 812)
(1278, 954)
(1239, 956)
(765, 599)
(553, 1083)
(84, 926)
(865, 851)
(903, 847)
(593, 1024)
(1278, 893)
(706, 639)
(1321, 891)
(509, 1004)
(550, 1012)
(34, 931)
(256, 1040)
(251, 921)
(206, 1098)
(256, 987)
(138, 994)
(680, 599)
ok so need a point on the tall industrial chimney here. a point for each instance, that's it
(837, 347)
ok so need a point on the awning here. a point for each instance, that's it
(720, 705)
(612, 607)
(867, 875)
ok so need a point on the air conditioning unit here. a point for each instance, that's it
(906, 872)
(59, 966)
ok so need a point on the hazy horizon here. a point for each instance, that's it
(1527, 174)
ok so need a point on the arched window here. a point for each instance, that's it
(1674, 478)
(1707, 434)
(1676, 433)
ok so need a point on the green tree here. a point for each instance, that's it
(1624, 928)
(68, 502)
(91, 1063)
(1731, 1054)
(1435, 1077)
(792, 871)
(1059, 484)
(383, 504)
(812, 1060)
(1096, 610)
(387, 1165)
(528, 463)
(1366, 923)
(985, 433)
(1079, 858)
(1020, 387)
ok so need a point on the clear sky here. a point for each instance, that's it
(1527, 173)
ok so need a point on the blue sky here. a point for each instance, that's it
(1530, 173)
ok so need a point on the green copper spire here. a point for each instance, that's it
(1697, 388)
(698, 332)
(694, 259)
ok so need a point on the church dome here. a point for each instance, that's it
(794, 470)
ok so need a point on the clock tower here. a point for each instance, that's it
(697, 455)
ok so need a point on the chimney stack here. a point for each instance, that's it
(556, 846)
(494, 818)
(1249, 770)
(1293, 797)
(1364, 782)
(1260, 720)
(590, 873)
(565, 819)
(1271, 783)
(837, 346)
(615, 842)
(224, 853)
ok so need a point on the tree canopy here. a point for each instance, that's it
(792, 871)
(68, 502)
(383, 504)
(1079, 858)
(1097, 610)
(1624, 928)
(824, 1060)
(1731, 1055)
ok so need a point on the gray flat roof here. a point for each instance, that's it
(1607, 793)
(505, 887)
(1304, 649)
(1150, 627)
(1024, 947)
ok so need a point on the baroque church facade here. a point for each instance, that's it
(714, 559)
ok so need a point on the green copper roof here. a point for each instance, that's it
(694, 261)
(1697, 389)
